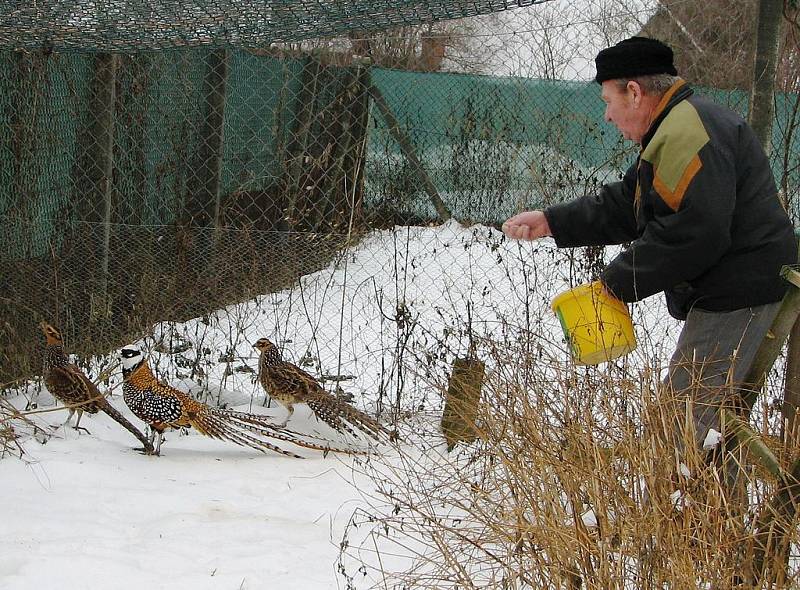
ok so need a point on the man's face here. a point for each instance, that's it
(625, 109)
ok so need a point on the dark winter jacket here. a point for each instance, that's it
(700, 209)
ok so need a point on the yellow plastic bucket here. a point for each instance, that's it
(597, 326)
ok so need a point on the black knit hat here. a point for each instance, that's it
(637, 56)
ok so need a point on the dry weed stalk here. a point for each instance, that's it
(12, 424)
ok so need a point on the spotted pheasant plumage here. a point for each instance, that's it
(289, 385)
(69, 385)
(162, 406)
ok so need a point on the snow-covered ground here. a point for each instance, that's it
(388, 317)
(88, 512)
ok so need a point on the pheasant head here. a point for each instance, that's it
(51, 334)
(270, 355)
(131, 358)
(54, 352)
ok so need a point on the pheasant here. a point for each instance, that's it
(162, 406)
(69, 385)
(289, 385)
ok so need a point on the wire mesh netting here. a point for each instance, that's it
(146, 181)
(125, 25)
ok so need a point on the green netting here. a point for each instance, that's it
(122, 25)
(489, 145)
(492, 145)
(496, 145)
(41, 115)
(160, 97)
(266, 90)
(444, 107)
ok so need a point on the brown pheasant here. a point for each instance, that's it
(162, 406)
(289, 385)
(69, 385)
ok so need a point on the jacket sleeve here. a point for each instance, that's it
(689, 230)
(596, 220)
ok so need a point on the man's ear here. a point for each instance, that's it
(636, 92)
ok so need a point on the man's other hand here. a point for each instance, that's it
(528, 225)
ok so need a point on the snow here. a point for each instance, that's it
(89, 513)
(86, 511)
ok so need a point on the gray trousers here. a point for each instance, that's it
(711, 360)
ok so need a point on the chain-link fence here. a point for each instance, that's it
(161, 164)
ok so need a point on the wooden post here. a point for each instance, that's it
(204, 187)
(776, 337)
(298, 141)
(775, 523)
(408, 150)
(461, 403)
(762, 95)
(101, 127)
(108, 73)
(773, 532)
(791, 388)
(761, 118)
(205, 264)
(28, 92)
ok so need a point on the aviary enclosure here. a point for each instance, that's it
(163, 163)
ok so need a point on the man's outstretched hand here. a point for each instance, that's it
(528, 225)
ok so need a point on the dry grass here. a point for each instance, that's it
(14, 427)
(570, 485)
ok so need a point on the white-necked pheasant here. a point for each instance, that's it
(289, 385)
(69, 385)
(162, 406)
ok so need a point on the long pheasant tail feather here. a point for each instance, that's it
(297, 438)
(112, 412)
(266, 427)
(361, 421)
(245, 439)
(343, 417)
(258, 425)
(214, 424)
(245, 420)
(368, 425)
(329, 411)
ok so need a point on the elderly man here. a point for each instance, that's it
(701, 212)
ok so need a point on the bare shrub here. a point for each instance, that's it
(572, 482)
(15, 427)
